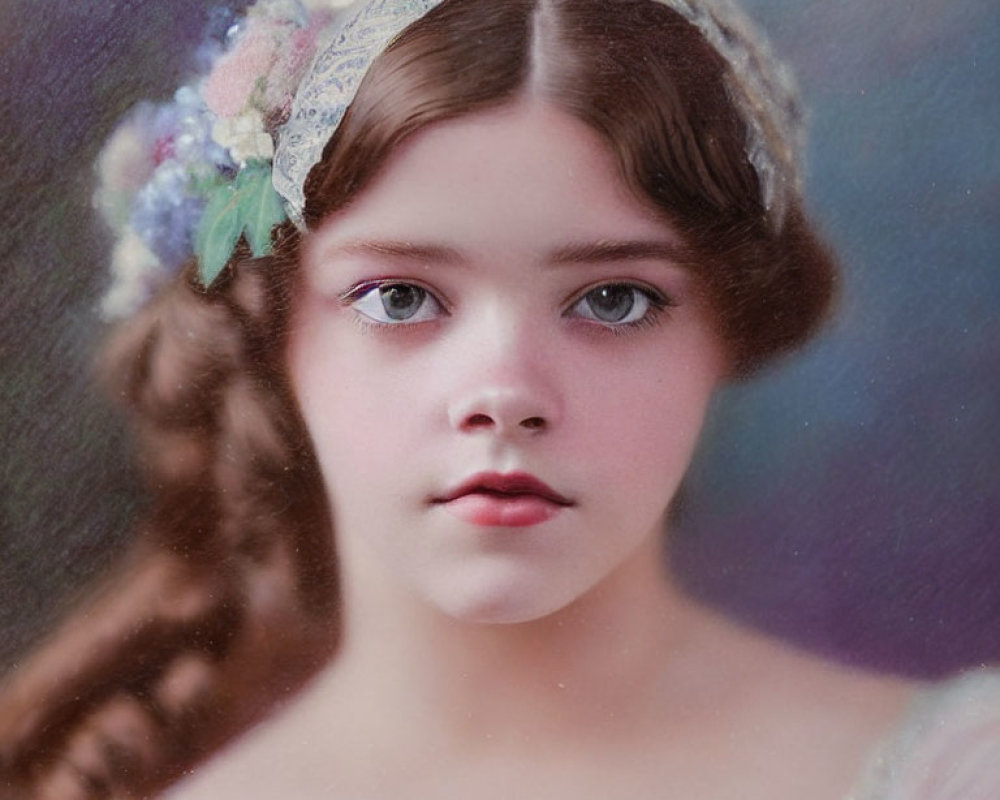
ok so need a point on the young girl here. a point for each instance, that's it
(413, 448)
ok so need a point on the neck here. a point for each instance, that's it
(594, 664)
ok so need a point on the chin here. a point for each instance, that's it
(501, 600)
(500, 613)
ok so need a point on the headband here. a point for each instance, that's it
(361, 35)
(761, 87)
(229, 157)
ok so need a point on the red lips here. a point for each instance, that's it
(510, 484)
(514, 500)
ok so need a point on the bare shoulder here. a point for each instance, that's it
(280, 757)
(799, 686)
(813, 694)
(805, 725)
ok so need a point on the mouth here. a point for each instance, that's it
(492, 499)
(514, 484)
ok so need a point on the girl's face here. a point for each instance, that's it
(502, 367)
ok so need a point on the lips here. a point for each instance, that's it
(493, 499)
(509, 485)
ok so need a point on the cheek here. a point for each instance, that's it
(642, 421)
(359, 406)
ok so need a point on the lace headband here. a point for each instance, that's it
(191, 177)
(761, 87)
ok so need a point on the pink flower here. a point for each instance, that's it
(231, 84)
(291, 62)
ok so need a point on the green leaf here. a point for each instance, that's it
(260, 206)
(218, 231)
(204, 181)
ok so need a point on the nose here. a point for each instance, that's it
(503, 408)
(506, 389)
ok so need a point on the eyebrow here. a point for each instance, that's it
(598, 252)
(604, 252)
(396, 250)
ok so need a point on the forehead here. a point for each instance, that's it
(516, 179)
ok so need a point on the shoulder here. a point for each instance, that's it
(252, 768)
(947, 746)
(277, 758)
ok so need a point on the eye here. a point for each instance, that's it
(395, 303)
(617, 304)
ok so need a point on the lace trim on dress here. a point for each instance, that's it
(947, 746)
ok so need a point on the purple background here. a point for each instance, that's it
(849, 499)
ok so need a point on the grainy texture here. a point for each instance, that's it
(848, 499)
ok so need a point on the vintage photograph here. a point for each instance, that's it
(439, 399)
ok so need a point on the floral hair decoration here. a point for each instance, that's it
(229, 156)
(188, 178)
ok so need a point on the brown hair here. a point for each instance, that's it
(642, 77)
(230, 598)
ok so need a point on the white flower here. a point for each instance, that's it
(244, 136)
(124, 165)
(136, 275)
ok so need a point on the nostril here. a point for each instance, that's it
(533, 423)
(479, 421)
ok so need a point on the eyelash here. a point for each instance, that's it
(352, 296)
(658, 303)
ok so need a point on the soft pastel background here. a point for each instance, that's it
(849, 499)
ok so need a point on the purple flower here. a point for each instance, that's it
(166, 212)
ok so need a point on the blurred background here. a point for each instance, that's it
(848, 499)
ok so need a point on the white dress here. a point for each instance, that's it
(947, 747)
